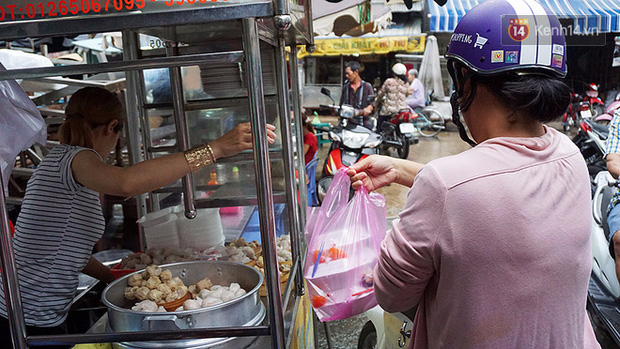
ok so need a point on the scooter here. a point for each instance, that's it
(591, 143)
(351, 142)
(569, 119)
(603, 290)
(597, 106)
(605, 118)
(399, 132)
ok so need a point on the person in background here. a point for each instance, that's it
(311, 145)
(612, 157)
(393, 94)
(493, 246)
(61, 216)
(416, 98)
(357, 92)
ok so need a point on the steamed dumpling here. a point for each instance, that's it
(130, 292)
(155, 295)
(165, 275)
(204, 294)
(165, 289)
(191, 304)
(211, 301)
(204, 284)
(152, 282)
(142, 293)
(153, 270)
(146, 306)
(135, 280)
(228, 295)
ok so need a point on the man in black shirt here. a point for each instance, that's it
(356, 91)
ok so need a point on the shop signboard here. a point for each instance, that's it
(365, 45)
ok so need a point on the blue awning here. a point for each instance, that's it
(589, 16)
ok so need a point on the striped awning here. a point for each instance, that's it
(589, 16)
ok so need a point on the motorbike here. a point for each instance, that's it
(597, 106)
(612, 108)
(570, 117)
(603, 289)
(591, 143)
(351, 142)
(399, 132)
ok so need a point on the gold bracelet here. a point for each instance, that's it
(199, 157)
(211, 154)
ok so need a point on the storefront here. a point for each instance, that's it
(376, 53)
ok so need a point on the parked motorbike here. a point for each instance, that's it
(597, 106)
(612, 108)
(350, 143)
(591, 142)
(569, 119)
(603, 290)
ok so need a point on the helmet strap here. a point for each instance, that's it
(456, 119)
(459, 83)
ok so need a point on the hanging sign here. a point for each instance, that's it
(365, 46)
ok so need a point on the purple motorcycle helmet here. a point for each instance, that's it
(502, 37)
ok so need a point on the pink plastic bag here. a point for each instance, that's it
(343, 251)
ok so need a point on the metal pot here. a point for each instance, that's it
(247, 310)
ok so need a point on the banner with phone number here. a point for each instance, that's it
(365, 46)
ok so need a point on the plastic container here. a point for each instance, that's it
(202, 232)
(160, 228)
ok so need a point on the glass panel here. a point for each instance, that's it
(323, 70)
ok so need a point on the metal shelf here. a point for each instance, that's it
(149, 63)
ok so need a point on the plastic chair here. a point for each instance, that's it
(311, 173)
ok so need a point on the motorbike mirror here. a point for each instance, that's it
(328, 93)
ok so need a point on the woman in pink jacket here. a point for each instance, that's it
(493, 245)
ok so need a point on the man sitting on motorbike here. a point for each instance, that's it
(357, 93)
(395, 90)
(612, 158)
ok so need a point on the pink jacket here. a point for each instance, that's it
(493, 246)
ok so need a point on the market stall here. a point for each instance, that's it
(225, 63)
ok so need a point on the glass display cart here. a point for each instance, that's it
(226, 62)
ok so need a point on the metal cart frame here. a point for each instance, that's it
(292, 23)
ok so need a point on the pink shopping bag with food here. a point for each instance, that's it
(345, 237)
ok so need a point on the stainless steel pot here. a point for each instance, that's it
(246, 310)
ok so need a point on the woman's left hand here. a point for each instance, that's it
(238, 139)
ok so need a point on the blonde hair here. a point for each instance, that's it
(88, 108)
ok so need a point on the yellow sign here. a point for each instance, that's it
(365, 46)
(303, 329)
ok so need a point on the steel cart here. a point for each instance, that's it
(246, 52)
